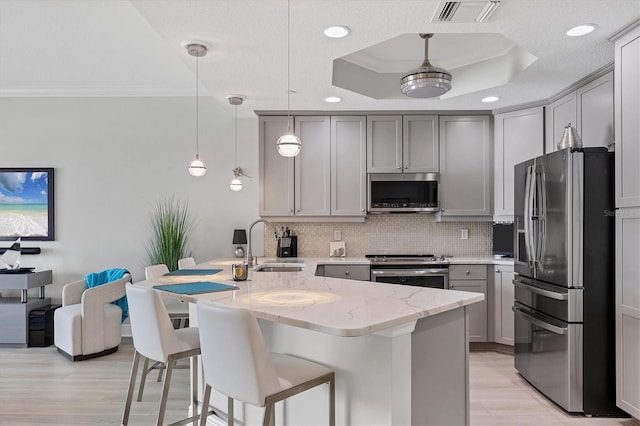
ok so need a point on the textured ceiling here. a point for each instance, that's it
(134, 48)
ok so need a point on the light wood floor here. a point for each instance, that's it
(38, 386)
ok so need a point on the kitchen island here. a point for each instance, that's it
(400, 353)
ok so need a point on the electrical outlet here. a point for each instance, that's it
(337, 235)
(464, 234)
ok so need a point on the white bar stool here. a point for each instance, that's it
(237, 363)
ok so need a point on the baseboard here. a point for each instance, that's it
(125, 330)
(490, 347)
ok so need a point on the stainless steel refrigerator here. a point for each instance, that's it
(564, 285)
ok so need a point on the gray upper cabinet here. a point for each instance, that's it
(384, 144)
(398, 144)
(465, 166)
(312, 167)
(627, 122)
(348, 166)
(518, 136)
(420, 143)
(558, 115)
(595, 112)
(589, 109)
(276, 171)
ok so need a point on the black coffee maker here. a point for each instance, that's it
(287, 246)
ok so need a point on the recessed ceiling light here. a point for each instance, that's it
(332, 99)
(490, 99)
(337, 31)
(581, 30)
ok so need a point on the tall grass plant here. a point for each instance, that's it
(171, 225)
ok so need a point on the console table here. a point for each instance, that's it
(14, 311)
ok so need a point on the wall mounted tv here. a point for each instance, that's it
(26, 204)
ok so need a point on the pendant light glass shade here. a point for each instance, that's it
(289, 145)
(197, 167)
(236, 184)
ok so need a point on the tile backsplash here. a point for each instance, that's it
(393, 233)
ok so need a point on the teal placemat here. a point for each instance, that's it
(193, 272)
(196, 288)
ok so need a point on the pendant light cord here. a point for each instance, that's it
(197, 108)
(289, 66)
(235, 135)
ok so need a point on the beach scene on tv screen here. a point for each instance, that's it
(23, 204)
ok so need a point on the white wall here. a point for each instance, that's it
(113, 159)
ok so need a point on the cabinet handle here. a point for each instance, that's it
(497, 271)
(298, 211)
(467, 272)
(346, 272)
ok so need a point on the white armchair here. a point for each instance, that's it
(88, 324)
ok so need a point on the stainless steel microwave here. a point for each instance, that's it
(403, 192)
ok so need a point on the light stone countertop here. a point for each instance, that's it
(328, 305)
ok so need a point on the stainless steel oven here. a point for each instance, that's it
(415, 270)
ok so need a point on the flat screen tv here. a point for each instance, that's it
(26, 204)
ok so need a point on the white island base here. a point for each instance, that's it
(413, 374)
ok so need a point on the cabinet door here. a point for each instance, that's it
(348, 166)
(595, 112)
(420, 143)
(503, 314)
(558, 115)
(519, 136)
(465, 165)
(476, 313)
(276, 171)
(312, 167)
(628, 310)
(627, 123)
(384, 144)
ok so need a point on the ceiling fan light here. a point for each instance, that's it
(197, 167)
(289, 145)
(236, 184)
(427, 81)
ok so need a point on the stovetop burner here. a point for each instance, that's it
(406, 259)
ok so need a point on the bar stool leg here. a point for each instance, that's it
(165, 390)
(132, 384)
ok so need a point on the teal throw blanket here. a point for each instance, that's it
(96, 278)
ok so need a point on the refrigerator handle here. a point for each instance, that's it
(528, 207)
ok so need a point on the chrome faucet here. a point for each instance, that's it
(249, 253)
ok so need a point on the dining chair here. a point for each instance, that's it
(186, 263)
(154, 338)
(245, 370)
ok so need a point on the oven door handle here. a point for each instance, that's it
(542, 292)
(408, 272)
(540, 323)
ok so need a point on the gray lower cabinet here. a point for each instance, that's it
(628, 310)
(518, 136)
(346, 271)
(502, 303)
(465, 166)
(472, 278)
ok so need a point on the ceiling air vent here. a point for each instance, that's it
(464, 11)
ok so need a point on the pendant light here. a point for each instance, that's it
(289, 145)
(197, 167)
(236, 183)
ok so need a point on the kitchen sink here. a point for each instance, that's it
(265, 267)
